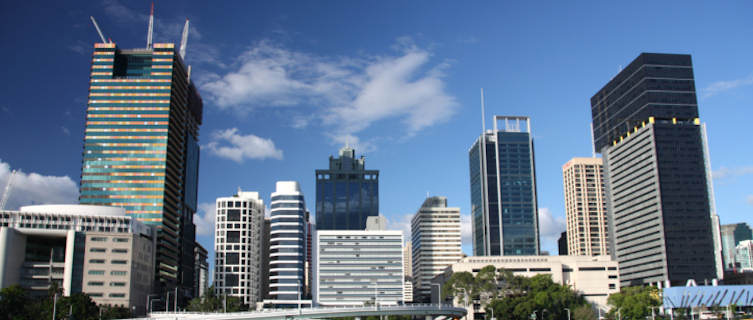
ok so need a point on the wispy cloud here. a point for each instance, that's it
(727, 173)
(33, 188)
(204, 219)
(80, 47)
(65, 131)
(347, 94)
(750, 199)
(401, 223)
(230, 144)
(722, 86)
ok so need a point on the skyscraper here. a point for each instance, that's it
(645, 124)
(732, 235)
(239, 235)
(503, 190)
(346, 193)
(436, 241)
(287, 246)
(141, 151)
(585, 207)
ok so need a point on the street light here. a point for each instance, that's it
(568, 313)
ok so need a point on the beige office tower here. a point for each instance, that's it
(585, 207)
(407, 260)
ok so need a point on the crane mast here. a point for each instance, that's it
(99, 31)
(8, 187)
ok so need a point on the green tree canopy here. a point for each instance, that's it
(634, 302)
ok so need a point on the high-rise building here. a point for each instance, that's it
(201, 280)
(265, 260)
(503, 190)
(355, 268)
(744, 256)
(436, 240)
(585, 207)
(646, 126)
(141, 148)
(732, 235)
(239, 224)
(562, 244)
(408, 259)
(287, 246)
(346, 193)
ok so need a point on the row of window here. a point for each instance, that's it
(111, 295)
(102, 283)
(112, 273)
(102, 261)
(104, 239)
(105, 250)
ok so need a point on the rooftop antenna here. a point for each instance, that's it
(593, 146)
(99, 31)
(483, 120)
(184, 41)
(151, 28)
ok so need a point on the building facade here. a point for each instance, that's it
(96, 250)
(562, 244)
(594, 277)
(141, 148)
(732, 235)
(504, 209)
(287, 246)
(744, 256)
(645, 124)
(355, 268)
(436, 243)
(201, 280)
(346, 193)
(239, 223)
(585, 207)
(408, 259)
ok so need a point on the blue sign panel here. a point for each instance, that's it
(708, 296)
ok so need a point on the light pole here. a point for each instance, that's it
(492, 310)
(568, 313)
(542, 314)
(439, 294)
(653, 315)
(167, 302)
(54, 305)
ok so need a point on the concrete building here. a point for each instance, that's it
(239, 224)
(96, 250)
(201, 281)
(436, 240)
(504, 210)
(408, 259)
(287, 249)
(732, 235)
(744, 256)
(662, 223)
(346, 193)
(358, 268)
(594, 277)
(408, 290)
(585, 207)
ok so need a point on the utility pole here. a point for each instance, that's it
(54, 305)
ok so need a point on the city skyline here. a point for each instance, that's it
(288, 139)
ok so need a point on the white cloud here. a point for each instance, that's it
(402, 223)
(204, 219)
(725, 173)
(550, 227)
(348, 94)
(34, 188)
(352, 141)
(721, 86)
(65, 131)
(230, 144)
(750, 199)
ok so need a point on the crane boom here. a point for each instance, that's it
(99, 31)
(151, 28)
(184, 41)
(8, 187)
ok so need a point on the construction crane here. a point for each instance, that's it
(8, 187)
(99, 31)
(151, 28)
(184, 41)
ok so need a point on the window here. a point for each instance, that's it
(117, 284)
(96, 283)
(117, 295)
(119, 262)
(97, 250)
(94, 295)
(118, 273)
(97, 272)
(120, 239)
(99, 239)
(97, 261)
(119, 250)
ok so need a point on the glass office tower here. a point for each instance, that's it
(346, 193)
(141, 151)
(503, 190)
(645, 124)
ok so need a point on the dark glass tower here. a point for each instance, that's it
(346, 193)
(141, 151)
(645, 124)
(503, 190)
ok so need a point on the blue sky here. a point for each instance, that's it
(286, 84)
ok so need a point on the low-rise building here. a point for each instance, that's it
(358, 268)
(96, 250)
(201, 278)
(593, 277)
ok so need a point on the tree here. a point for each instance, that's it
(524, 296)
(584, 312)
(13, 303)
(461, 285)
(210, 302)
(634, 302)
